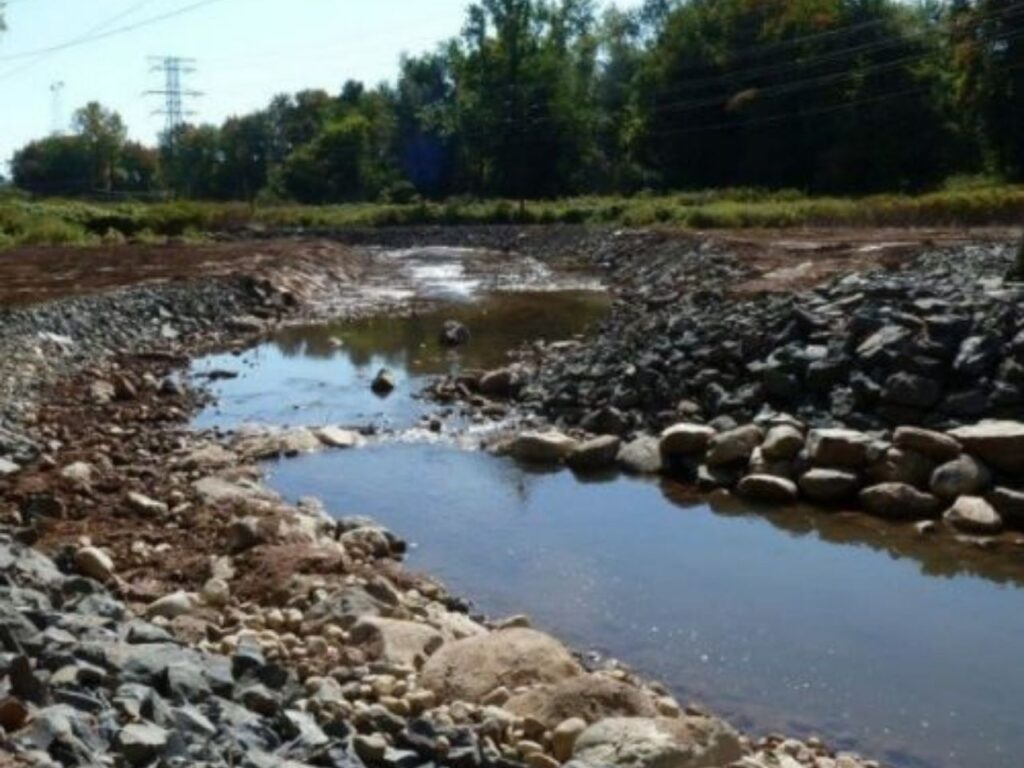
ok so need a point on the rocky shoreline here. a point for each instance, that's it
(175, 611)
(898, 391)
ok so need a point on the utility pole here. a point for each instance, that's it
(56, 110)
(174, 70)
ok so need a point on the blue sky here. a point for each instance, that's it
(246, 50)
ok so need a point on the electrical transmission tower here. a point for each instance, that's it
(174, 69)
(56, 109)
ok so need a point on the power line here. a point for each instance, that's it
(85, 40)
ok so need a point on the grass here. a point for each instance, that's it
(26, 222)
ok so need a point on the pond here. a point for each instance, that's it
(797, 621)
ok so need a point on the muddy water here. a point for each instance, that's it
(795, 621)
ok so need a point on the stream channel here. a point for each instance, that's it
(796, 621)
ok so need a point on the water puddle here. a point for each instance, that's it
(793, 621)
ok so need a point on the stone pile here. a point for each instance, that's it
(937, 343)
(972, 476)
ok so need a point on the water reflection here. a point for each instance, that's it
(804, 622)
(321, 374)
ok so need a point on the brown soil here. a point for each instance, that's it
(39, 274)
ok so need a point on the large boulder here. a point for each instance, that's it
(899, 501)
(902, 465)
(394, 641)
(641, 456)
(637, 742)
(783, 442)
(592, 697)
(964, 476)
(999, 443)
(768, 488)
(542, 447)
(598, 453)
(686, 440)
(734, 446)
(843, 448)
(934, 445)
(972, 514)
(827, 486)
(470, 669)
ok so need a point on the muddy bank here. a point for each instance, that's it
(274, 634)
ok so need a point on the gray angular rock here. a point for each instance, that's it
(141, 743)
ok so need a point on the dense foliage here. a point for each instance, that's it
(549, 98)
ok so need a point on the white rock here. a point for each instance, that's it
(145, 505)
(335, 437)
(171, 606)
(972, 514)
(94, 563)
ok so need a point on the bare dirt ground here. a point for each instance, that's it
(780, 260)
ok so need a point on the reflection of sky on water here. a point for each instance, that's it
(321, 374)
(793, 621)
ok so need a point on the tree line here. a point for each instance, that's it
(545, 98)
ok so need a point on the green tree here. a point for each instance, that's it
(57, 165)
(988, 38)
(191, 162)
(334, 167)
(104, 133)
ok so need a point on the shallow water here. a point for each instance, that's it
(795, 621)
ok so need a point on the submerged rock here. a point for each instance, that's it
(454, 334)
(384, 382)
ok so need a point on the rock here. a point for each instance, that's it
(393, 641)
(141, 743)
(843, 448)
(768, 488)
(370, 748)
(214, 490)
(13, 714)
(998, 443)
(94, 563)
(542, 447)
(691, 742)
(734, 446)
(470, 669)
(171, 606)
(827, 486)
(972, 514)
(216, 592)
(564, 736)
(899, 501)
(934, 445)
(145, 505)
(598, 453)
(384, 382)
(641, 456)
(102, 392)
(8, 467)
(454, 334)
(685, 440)
(335, 437)
(245, 533)
(912, 390)
(592, 696)
(1009, 503)
(783, 442)
(902, 465)
(80, 473)
(502, 382)
(964, 476)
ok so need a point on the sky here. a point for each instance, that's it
(246, 51)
